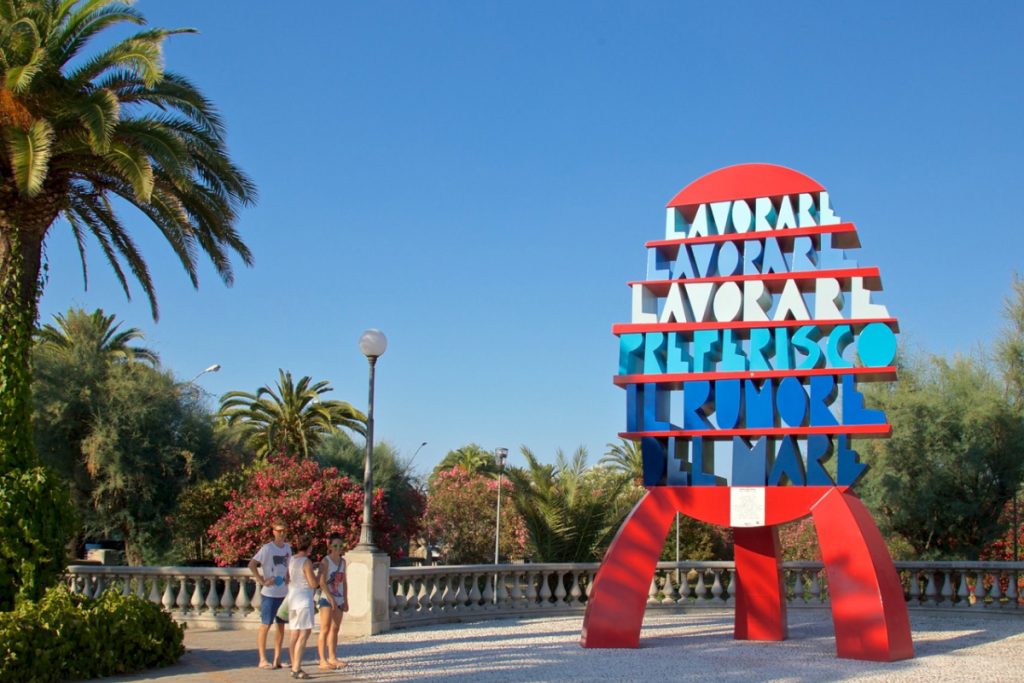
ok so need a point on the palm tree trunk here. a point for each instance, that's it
(20, 256)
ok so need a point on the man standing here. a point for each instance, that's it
(272, 575)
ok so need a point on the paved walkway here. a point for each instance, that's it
(951, 646)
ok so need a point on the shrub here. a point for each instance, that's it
(310, 500)
(66, 636)
(36, 519)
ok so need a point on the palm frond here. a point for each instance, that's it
(30, 155)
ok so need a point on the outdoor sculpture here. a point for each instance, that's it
(745, 342)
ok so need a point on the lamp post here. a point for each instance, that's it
(213, 368)
(372, 343)
(501, 455)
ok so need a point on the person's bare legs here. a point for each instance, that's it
(298, 647)
(336, 615)
(326, 660)
(261, 644)
(278, 642)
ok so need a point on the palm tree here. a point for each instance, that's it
(292, 417)
(627, 458)
(570, 511)
(81, 132)
(471, 457)
(94, 334)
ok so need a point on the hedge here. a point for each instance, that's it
(67, 637)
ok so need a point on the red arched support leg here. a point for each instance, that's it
(759, 590)
(618, 598)
(868, 608)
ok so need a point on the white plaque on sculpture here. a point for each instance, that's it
(746, 506)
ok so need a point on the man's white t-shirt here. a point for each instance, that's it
(273, 561)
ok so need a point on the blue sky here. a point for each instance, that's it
(477, 179)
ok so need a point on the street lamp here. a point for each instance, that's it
(372, 343)
(213, 368)
(501, 455)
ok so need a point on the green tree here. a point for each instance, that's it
(1010, 346)
(571, 512)
(391, 472)
(625, 457)
(121, 431)
(78, 133)
(953, 459)
(291, 418)
(471, 457)
(96, 335)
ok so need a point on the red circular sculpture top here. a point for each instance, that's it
(745, 181)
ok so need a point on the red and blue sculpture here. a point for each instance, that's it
(740, 365)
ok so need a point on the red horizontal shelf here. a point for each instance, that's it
(844, 236)
(634, 328)
(862, 430)
(804, 278)
(886, 373)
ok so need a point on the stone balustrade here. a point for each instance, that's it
(219, 597)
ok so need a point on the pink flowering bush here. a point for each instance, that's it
(461, 519)
(311, 501)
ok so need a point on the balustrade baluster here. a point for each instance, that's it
(545, 589)
(652, 592)
(227, 601)
(979, 588)
(412, 600)
(560, 591)
(915, 588)
(257, 597)
(197, 595)
(931, 592)
(518, 601)
(242, 601)
(461, 596)
(1011, 590)
(487, 594)
(815, 588)
(213, 597)
(448, 602)
(716, 588)
(997, 590)
(126, 584)
(140, 587)
(963, 593)
(947, 589)
(474, 591)
(502, 600)
(531, 590)
(433, 597)
(574, 591)
(181, 602)
(168, 598)
(701, 591)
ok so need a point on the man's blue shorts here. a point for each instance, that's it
(268, 610)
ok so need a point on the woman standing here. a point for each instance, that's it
(300, 604)
(333, 602)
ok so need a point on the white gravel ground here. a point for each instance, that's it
(696, 646)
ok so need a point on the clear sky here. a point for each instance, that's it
(477, 180)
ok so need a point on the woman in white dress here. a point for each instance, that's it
(300, 603)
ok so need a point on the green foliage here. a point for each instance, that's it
(627, 458)
(200, 505)
(123, 433)
(36, 518)
(571, 512)
(461, 518)
(1010, 346)
(16, 323)
(390, 473)
(69, 637)
(953, 460)
(290, 418)
(81, 131)
(697, 541)
(471, 457)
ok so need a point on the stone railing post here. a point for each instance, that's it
(369, 589)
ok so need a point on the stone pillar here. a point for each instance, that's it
(367, 574)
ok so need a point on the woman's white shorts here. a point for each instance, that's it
(300, 614)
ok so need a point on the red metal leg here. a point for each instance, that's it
(761, 592)
(868, 608)
(618, 598)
